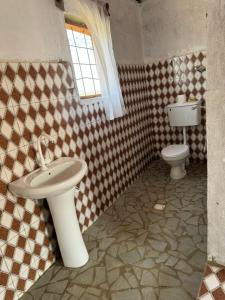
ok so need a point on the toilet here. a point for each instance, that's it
(181, 115)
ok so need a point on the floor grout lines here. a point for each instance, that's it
(137, 252)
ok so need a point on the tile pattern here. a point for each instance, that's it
(213, 283)
(41, 97)
(137, 252)
(167, 79)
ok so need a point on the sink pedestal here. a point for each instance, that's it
(71, 244)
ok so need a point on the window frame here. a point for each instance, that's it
(82, 28)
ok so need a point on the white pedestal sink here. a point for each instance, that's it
(57, 184)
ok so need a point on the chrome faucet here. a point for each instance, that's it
(42, 161)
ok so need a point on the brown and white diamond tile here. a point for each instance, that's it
(37, 75)
(28, 121)
(6, 283)
(5, 99)
(9, 130)
(17, 255)
(16, 163)
(17, 83)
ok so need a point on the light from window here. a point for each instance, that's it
(84, 62)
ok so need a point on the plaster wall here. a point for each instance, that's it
(215, 130)
(125, 19)
(126, 31)
(34, 30)
(173, 28)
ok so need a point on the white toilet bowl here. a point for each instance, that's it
(175, 156)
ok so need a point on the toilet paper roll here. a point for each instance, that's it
(181, 98)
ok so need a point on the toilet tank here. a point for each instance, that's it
(184, 114)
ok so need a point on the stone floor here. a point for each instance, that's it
(137, 252)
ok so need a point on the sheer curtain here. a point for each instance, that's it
(98, 23)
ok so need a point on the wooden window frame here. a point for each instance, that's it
(82, 28)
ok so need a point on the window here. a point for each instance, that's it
(95, 14)
(84, 62)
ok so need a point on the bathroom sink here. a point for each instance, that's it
(56, 182)
(60, 176)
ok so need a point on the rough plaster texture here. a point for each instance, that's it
(173, 27)
(32, 30)
(136, 252)
(126, 31)
(216, 129)
(125, 18)
(36, 31)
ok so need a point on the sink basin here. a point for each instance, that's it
(57, 184)
(61, 175)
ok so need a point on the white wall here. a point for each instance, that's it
(126, 31)
(173, 27)
(32, 30)
(216, 130)
(125, 27)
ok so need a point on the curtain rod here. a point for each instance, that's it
(104, 4)
(60, 5)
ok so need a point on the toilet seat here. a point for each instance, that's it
(175, 152)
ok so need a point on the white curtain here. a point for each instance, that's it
(98, 23)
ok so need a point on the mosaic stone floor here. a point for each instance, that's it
(137, 252)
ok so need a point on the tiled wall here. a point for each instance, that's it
(213, 283)
(167, 79)
(40, 97)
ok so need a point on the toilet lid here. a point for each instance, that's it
(175, 150)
